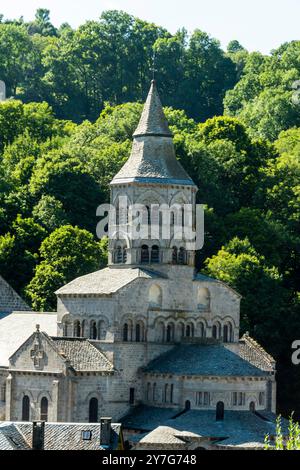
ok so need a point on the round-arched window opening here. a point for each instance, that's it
(252, 407)
(93, 410)
(145, 254)
(25, 408)
(155, 254)
(187, 405)
(44, 409)
(220, 411)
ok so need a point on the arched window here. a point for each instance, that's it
(228, 333)
(125, 332)
(138, 333)
(66, 328)
(76, 329)
(25, 408)
(145, 254)
(44, 409)
(93, 410)
(171, 393)
(155, 254)
(220, 411)
(155, 296)
(252, 407)
(166, 391)
(189, 331)
(101, 330)
(169, 334)
(225, 334)
(187, 405)
(203, 298)
(154, 392)
(216, 330)
(182, 256)
(174, 254)
(93, 330)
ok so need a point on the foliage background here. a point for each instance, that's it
(75, 99)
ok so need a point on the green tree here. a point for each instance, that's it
(68, 252)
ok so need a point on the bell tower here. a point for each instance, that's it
(153, 178)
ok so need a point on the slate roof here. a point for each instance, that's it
(106, 281)
(16, 328)
(58, 436)
(9, 299)
(153, 159)
(153, 120)
(203, 360)
(238, 429)
(83, 356)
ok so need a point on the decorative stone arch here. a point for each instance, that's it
(102, 328)
(217, 328)
(121, 217)
(170, 332)
(94, 401)
(160, 330)
(155, 295)
(179, 197)
(190, 328)
(180, 330)
(67, 325)
(203, 298)
(151, 196)
(201, 328)
(139, 331)
(93, 329)
(252, 399)
(228, 330)
(127, 329)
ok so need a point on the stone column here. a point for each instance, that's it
(8, 398)
(55, 401)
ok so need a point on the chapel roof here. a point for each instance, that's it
(203, 360)
(82, 355)
(153, 158)
(106, 281)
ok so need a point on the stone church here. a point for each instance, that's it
(147, 340)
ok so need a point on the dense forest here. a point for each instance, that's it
(74, 99)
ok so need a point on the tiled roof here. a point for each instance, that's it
(106, 281)
(153, 120)
(83, 356)
(9, 299)
(153, 159)
(58, 436)
(252, 352)
(238, 429)
(11, 438)
(18, 326)
(204, 360)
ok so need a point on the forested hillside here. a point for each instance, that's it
(74, 101)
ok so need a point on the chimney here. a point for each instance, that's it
(105, 432)
(38, 435)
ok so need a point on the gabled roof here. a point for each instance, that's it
(153, 159)
(77, 353)
(106, 281)
(203, 360)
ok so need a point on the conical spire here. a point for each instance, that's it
(153, 120)
(152, 158)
